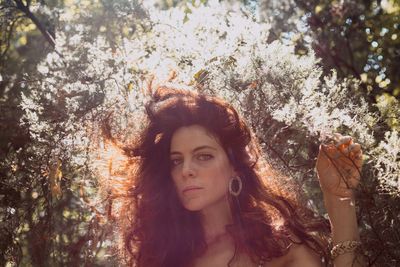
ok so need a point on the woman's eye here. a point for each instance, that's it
(204, 157)
(175, 162)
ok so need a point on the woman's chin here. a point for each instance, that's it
(192, 206)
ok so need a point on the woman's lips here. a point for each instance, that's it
(190, 189)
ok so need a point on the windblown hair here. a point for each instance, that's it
(156, 230)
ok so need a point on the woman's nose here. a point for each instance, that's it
(188, 169)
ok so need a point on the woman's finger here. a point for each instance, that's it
(358, 160)
(345, 140)
(355, 147)
(331, 151)
(344, 144)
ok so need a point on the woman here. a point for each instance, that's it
(199, 193)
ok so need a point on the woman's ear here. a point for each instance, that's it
(232, 161)
(234, 172)
(231, 156)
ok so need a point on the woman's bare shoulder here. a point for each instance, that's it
(302, 255)
(298, 255)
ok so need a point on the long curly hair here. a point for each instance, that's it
(156, 230)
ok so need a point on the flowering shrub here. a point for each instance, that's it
(218, 49)
(385, 158)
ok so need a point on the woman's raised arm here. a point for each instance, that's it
(339, 166)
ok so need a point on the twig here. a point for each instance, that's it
(25, 9)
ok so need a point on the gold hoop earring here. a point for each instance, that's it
(239, 189)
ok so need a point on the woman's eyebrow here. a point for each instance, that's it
(194, 150)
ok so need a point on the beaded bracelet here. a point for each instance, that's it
(344, 247)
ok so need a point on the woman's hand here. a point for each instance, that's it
(339, 165)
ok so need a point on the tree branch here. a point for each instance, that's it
(9, 37)
(25, 9)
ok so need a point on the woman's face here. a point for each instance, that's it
(200, 168)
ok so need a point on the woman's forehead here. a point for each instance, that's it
(188, 138)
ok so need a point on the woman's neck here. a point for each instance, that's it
(215, 218)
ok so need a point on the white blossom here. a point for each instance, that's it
(222, 47)
(386, 159)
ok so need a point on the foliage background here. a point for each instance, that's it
(296, 70)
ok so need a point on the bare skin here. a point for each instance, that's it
(219, 255)
(339, 170)
(199, 161)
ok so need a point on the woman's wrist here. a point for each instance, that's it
(339, 204)
(343, 218)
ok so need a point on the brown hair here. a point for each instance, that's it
(156, 230)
